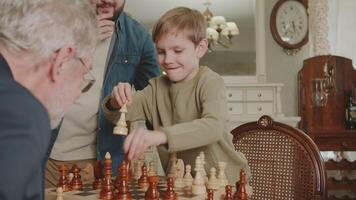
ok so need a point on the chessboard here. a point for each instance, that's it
(138, 194)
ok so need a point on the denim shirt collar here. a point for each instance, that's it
(119, 25)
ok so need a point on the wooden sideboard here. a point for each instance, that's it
(249, 101)
(326, 124)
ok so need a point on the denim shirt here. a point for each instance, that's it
(133, 59)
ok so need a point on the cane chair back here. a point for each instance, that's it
(285, 163)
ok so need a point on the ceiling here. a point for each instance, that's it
(148, 11)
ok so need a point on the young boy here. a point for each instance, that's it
(187, 106)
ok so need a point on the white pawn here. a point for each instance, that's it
(188, 178)
(222, 176)
(59, 193)
(213, 181)
(198, 187)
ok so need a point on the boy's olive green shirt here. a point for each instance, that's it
(193, 115)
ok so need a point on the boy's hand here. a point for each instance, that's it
(120, 95)
(105, 26)
(140, 139)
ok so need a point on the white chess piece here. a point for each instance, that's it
(70, 176)
(213, 181)
(203, 172)
(198, 187)
(138, 167)
(121, 126)
(188, 178)
(171, 165)
(222, 176)
(179, 174)
(152, 170)
(59, 193)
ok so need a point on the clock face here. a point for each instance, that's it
(292, 22)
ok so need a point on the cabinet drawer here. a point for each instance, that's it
(259, 108)
(235, 108)
(259, 95)
(234, 95)
(336, 143)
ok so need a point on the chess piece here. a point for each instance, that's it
(138, 167)
(76, 182)
(59, 193)
(210, 194)
(228, 192)
(121, 125)
(70, 176)
(123, 187)
(171, 165)
(129, 170)
(107, 191)
(88, 172)
(152, 191)
(152, 169)
(118, 177)
(143, 180)
(213, 181)
(203, 172)
(170, 194)
(98, 175)
(188, 178)
(240, 193)
(63, 179)
(179, 174)
(198, 187)
(222, 176)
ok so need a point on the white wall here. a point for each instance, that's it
(283, 68)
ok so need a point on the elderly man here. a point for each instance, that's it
(45, 51)
(125, 53)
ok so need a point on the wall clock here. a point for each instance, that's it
(289, 24)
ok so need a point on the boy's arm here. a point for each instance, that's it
(207, 129)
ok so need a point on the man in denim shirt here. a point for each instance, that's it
(126, 53)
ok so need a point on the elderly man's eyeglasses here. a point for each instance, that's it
(88, 79)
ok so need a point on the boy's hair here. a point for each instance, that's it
(179, 19)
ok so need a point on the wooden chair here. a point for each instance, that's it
(285, 163)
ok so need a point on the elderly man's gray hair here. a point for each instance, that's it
(43, 26)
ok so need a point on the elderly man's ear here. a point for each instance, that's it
(59, 58)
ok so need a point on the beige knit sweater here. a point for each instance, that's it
(193, 115)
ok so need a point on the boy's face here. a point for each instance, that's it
(179, 57)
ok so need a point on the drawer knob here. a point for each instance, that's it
(259, 95)
(230, 108)
(259, 108)
(230, 95)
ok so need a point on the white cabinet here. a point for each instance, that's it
(249, 101)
